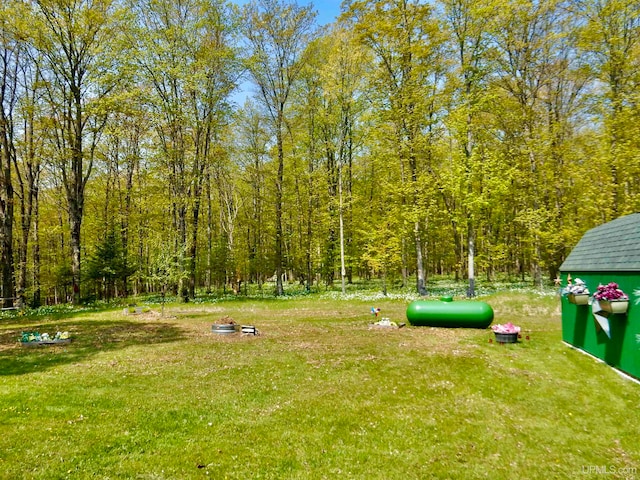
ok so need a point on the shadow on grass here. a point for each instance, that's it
(89, 337)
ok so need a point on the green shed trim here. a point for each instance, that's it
(611, 247)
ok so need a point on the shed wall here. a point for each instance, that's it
(580, 329)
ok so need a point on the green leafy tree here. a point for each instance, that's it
(186, 54)
(405, 39)
(108, 266)
(527, 40)
(469, 27)
(79, 72)
(252, 153)
(610, 39)
(166, 268)
(343, 71)
(382, 238)
(278, 34)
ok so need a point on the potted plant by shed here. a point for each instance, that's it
(611, 298)
(577, 293)
(507, 333)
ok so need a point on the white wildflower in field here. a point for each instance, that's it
(370, 296)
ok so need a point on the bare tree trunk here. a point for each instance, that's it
(36, 249)
(420, 276)
(75, 221)
(10, 54)
(420, 280)
(183, 288)
(343, 270)
(75, 179)
(193, 248)
(6, 238)
(279, 182)
(404, 269)
(6, 202)
(23, 246)
(209, 233)
(126, 220)
(471, 247)
(28, 180)
(200, 162)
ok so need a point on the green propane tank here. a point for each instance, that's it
(445, 313)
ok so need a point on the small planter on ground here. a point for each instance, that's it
(386, 323)
(224, 326)
(35, 339)
(507, 333)
(135, 310)
(506, 337)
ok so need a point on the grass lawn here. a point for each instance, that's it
(318, 394)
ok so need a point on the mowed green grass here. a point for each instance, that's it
(318, 394)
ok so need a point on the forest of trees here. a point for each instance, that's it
(409, 138)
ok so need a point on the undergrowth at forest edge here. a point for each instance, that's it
(368, 290)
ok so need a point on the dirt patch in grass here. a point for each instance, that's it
(9, 339)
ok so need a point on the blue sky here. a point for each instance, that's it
(327, 10)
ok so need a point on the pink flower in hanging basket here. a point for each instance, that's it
(611, 291)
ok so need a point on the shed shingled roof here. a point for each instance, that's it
(611, 247)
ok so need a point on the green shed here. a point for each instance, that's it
(605, 254)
